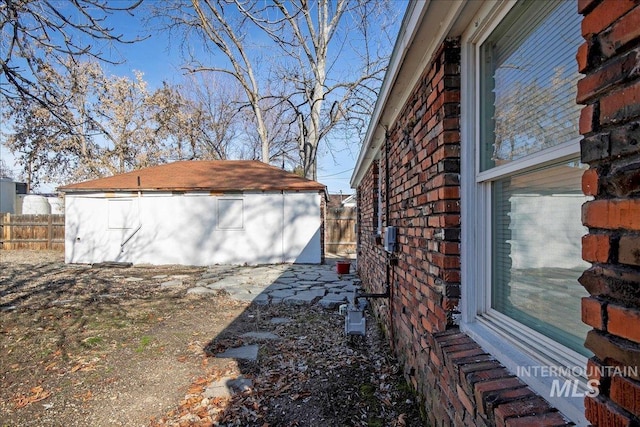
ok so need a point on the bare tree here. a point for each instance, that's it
(107, 125)
(218, 103)
(38, 35)
(525, 117)
(321, 59)
(5, 171)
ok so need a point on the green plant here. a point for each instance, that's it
(91, 342)
(145, 341)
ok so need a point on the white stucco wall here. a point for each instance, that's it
(193, 228)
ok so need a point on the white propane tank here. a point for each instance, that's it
(35, 205)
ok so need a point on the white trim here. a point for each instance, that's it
(514, 331)
(557, 153)
(511, 343)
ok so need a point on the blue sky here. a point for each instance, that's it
(159, 58)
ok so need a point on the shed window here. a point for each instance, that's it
(121, 213)
(230, 214)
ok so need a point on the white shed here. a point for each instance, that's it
(195, 213)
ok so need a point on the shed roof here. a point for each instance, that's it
(214, 175)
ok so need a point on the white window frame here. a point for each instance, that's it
(498, 334)
(222, 215)
(120, 213)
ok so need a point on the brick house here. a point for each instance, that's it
(504, 150)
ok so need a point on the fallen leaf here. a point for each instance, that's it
(84, 396)
(201, 381)
(194, 389)
(38, 394)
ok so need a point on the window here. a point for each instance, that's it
(121, 214)
(522, 203)
(536, 253)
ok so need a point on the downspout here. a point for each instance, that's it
(390, 256)
(392, 259)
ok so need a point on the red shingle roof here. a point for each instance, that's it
(215, 175)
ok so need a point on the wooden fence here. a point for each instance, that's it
(35, 232)
(340, 230)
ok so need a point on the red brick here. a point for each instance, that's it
(495, 398)
(620, 105)
(624, 322)
(594, 370)
(586, 119)
(466, 402)
(481, 390)
(590, 182)
(592, 312)
(621, 33)
(596, 247)
(581, 57)
(626, 393)
(550, 419)
(605, 14)
(614, 351)
(585, 5)
(612, 214)
(600, 413)
(629, 250)
(464, 354)
(614, 72)
(488, 375)
(521, 408)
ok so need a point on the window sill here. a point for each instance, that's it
(518, 361)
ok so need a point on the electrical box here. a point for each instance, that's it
(390, 239)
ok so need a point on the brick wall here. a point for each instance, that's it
(610, 122)
(372, 260)
(458, 382)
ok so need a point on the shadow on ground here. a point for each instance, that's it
(138, 346)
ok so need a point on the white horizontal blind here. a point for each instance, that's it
(530, 83)
(536, 251)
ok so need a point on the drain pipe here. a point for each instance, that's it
(355, 321)
(390, 257)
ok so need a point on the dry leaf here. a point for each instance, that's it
(202, 381)
(194, 389)
(38, 394)
(84, 396)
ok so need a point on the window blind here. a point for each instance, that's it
(530, 84)
(536, 251)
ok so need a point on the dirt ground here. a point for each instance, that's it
(108, 346)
